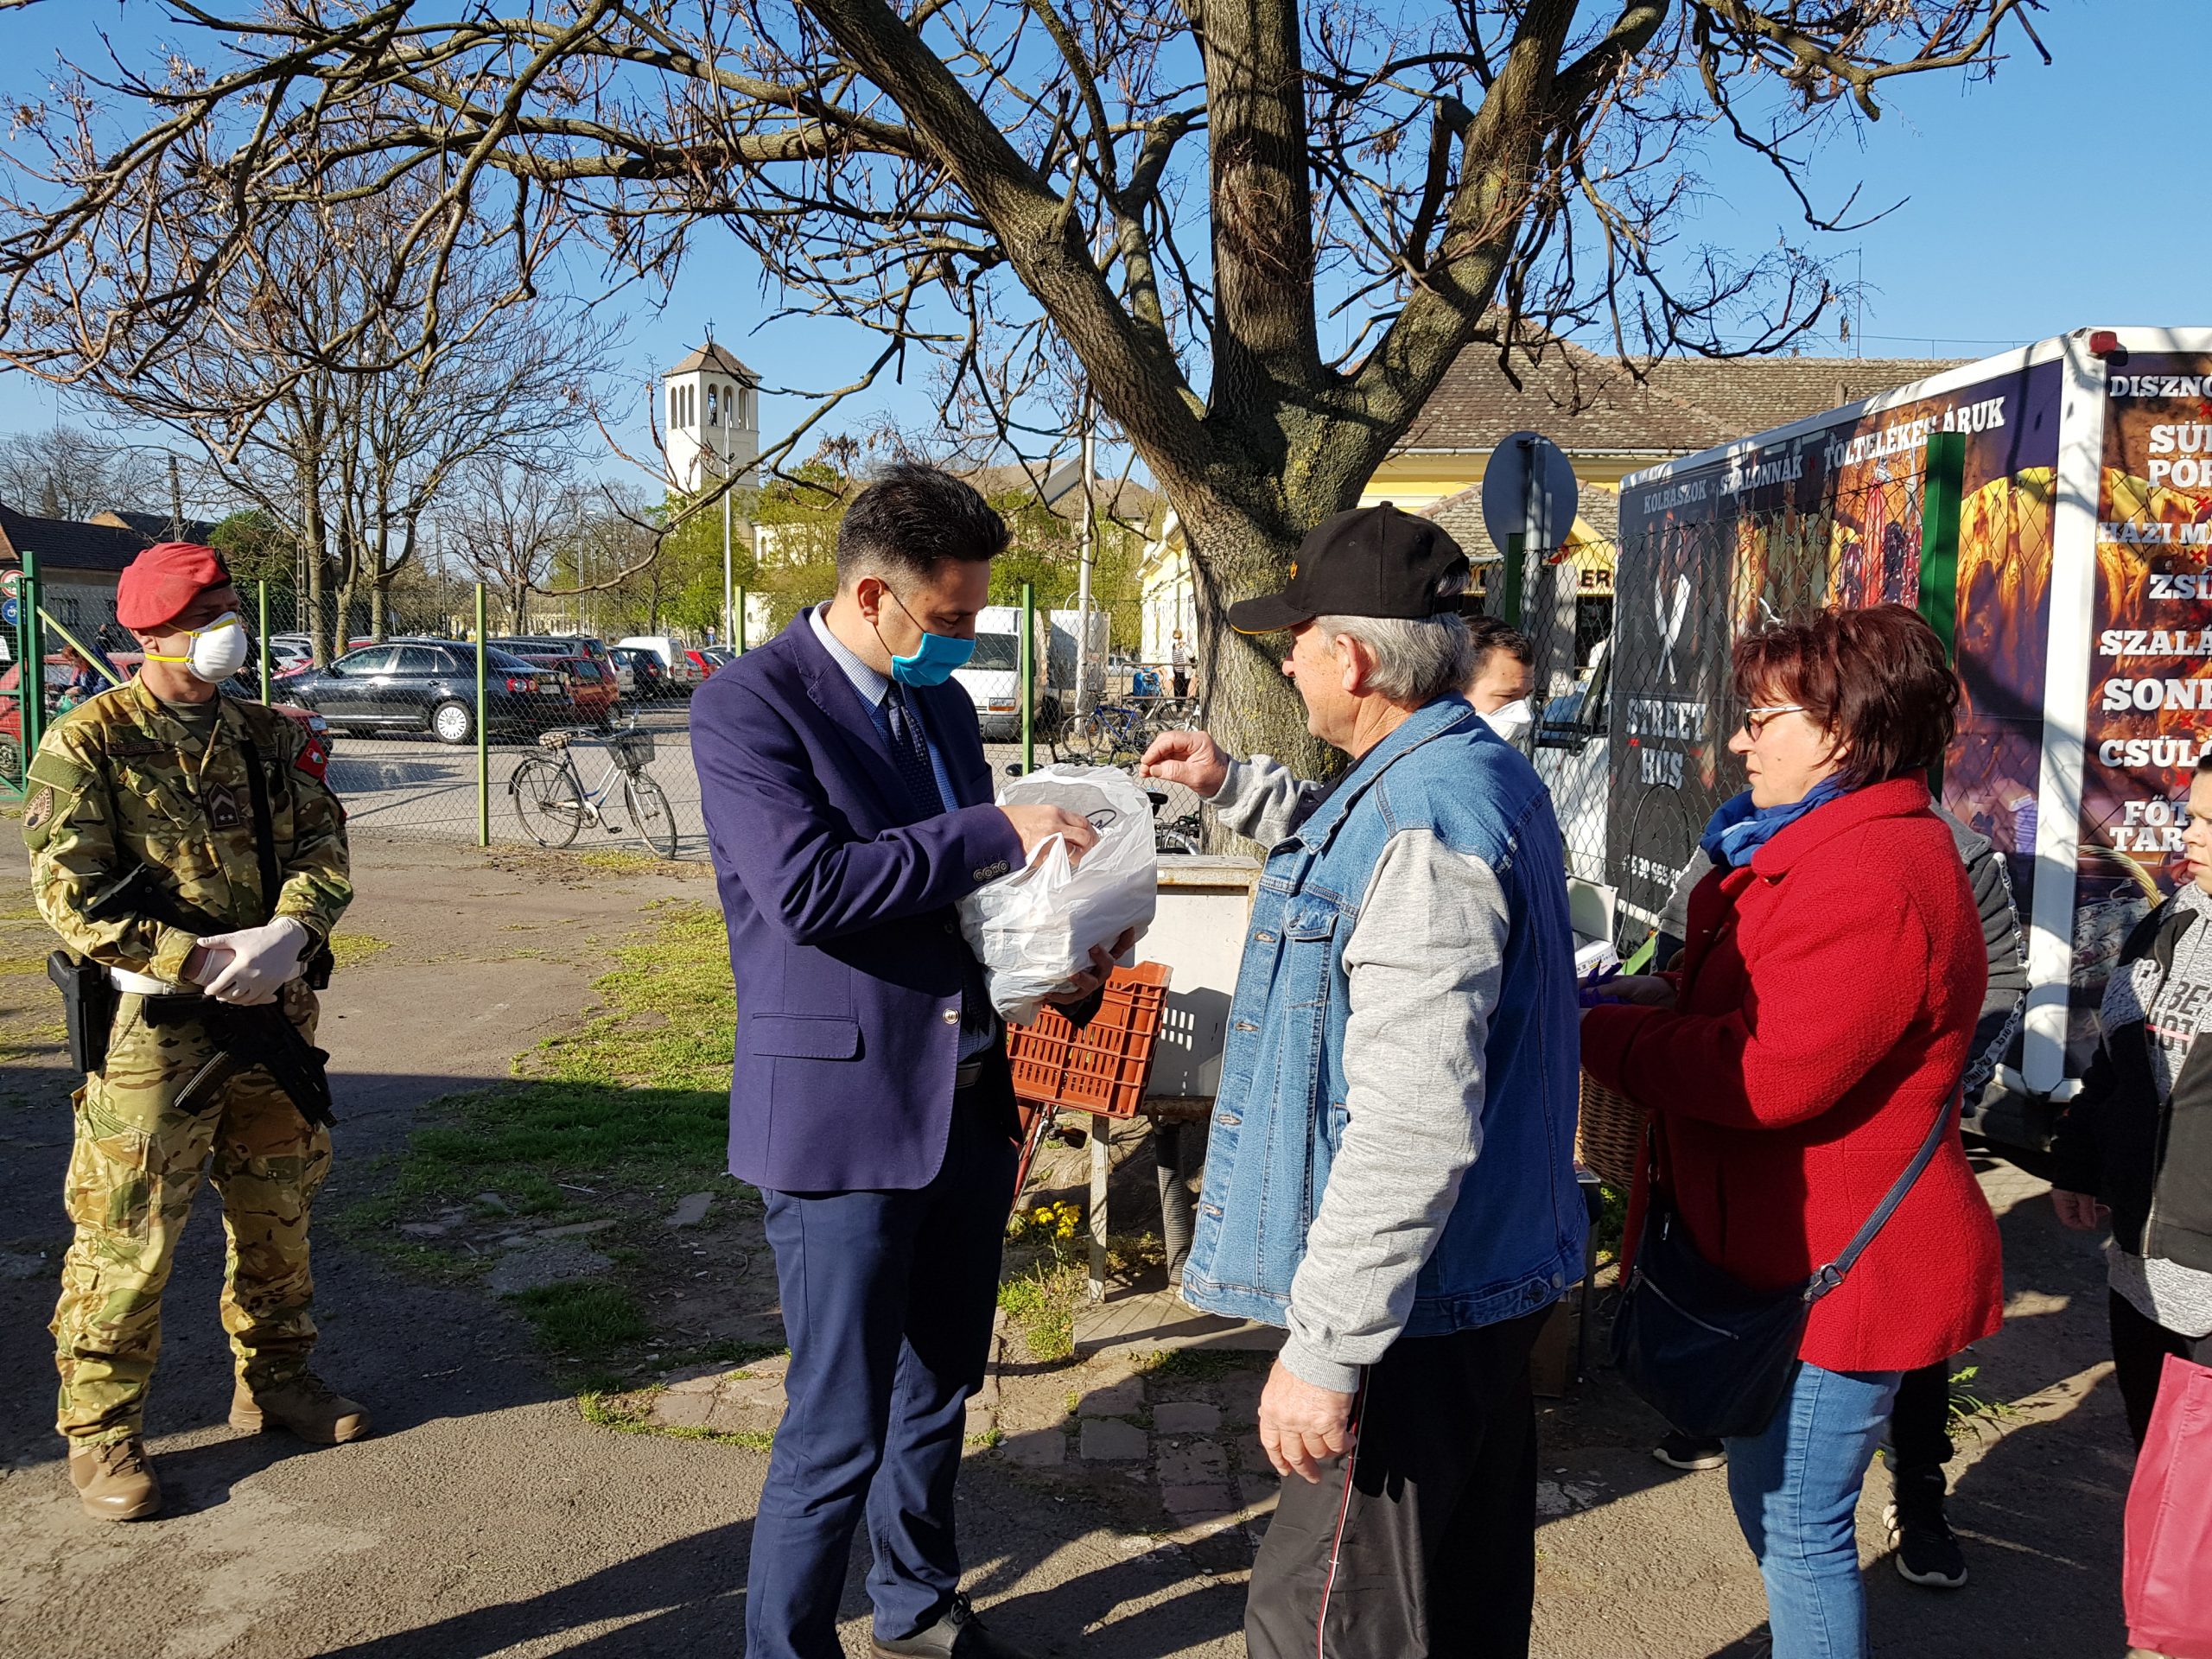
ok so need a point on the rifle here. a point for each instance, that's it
(243, 1037)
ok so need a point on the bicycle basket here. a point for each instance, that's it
(631, 750)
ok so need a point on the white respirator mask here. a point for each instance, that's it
(217, 652)
(1512, 721)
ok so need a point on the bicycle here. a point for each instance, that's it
(1112, 734)
(552, 803)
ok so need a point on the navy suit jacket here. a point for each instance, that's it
(842, 937)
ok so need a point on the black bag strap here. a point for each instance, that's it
(264, 826)
(1832, 1274)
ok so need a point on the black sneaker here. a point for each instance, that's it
(1927, 1553)
(1680, 1451)
(959, 1635)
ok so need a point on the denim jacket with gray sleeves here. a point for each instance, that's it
(1392, 1150)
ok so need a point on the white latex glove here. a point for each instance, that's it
(260, 961)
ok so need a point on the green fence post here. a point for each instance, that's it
(1028, 670)
(737, 622)
(1943, 484)
(1514, 579)
(483, 736)
(30, 680)
(1940, 488)
(261, 632)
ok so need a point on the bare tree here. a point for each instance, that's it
(1259, 230)
(354, 448)
(510, 524)
(66, 473)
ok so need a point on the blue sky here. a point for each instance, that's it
(2047, 200)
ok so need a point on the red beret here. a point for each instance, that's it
(157, 585)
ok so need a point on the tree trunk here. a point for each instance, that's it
(377, 611)
(1249, 706)
(318, 619)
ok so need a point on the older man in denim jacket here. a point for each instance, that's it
(1391, 1169)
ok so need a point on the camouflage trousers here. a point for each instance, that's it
(136, 1165)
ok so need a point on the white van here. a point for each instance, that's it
(676, 662)
(992, 678)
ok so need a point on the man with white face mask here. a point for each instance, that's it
(1504, 680)
(189, 854)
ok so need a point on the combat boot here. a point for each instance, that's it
(114, 1480)
(307, 1405)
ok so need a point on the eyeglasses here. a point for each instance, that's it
(1755, 719)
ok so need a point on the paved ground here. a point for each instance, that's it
(487, 1517)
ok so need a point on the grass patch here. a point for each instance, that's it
(638, 1093)
(1041, 1301)
(1201, 1364)
(631, 1414)
(1971, 1411)
(586, 1320)
(351, 950)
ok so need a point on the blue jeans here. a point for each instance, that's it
(1795, 1489)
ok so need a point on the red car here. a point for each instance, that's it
(593, 687)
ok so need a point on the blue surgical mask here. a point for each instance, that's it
(934, 659)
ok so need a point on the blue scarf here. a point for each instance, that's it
(1739, 829)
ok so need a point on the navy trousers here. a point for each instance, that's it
(889, 1298)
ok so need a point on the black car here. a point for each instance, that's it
(649, 680)
(429, 685)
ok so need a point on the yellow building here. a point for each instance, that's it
(1609, 422)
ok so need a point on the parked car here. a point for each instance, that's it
(286, 654)
(429, 685)
(707, 658)
(683, 674)
(648, 678)
(992, 676)
(591, 687)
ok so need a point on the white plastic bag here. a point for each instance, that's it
(1033, 931)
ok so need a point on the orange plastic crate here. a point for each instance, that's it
(1102, 1068)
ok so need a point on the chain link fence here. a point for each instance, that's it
(550, 739)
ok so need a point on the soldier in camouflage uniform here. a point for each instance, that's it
(154, 773)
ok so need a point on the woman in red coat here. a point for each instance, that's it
(1821, 1020)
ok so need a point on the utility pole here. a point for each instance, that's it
(1083, 558)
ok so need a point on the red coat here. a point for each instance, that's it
(1827, 994)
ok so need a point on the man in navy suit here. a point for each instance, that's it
(848, 805)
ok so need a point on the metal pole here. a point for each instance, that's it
(1082, 569)
(30, 678)
(1028, 655)
(728, 633)
(1942, 485)
(261, 632)
(483, 736)
(1511, 603)
(737, 624)
(176, 502)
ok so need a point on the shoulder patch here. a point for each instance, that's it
(41, 809)
(58, 770)
(313, 758)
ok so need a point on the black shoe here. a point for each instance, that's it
(1681, 1451)
(1928, 1552)
(959, 1635)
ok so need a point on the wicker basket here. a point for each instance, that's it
(632, 749)
(1609, 1136)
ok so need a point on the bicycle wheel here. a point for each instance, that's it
(651, 815)
(548, 801)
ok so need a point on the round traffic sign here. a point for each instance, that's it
(10, 583)
(1528, 488)
(9, 610)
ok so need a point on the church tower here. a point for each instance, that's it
(713, 415)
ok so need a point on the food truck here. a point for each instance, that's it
(2064, 533)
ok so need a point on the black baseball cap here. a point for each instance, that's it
(1372, 561)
